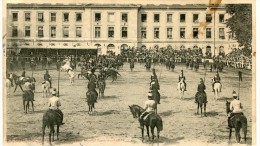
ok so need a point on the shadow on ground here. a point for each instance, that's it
(107, 113)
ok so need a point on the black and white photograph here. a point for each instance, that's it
(123, 73)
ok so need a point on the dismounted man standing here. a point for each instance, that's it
(54, 104)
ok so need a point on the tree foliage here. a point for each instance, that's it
(240, 23)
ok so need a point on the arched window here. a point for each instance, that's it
(110, 46)
(156, 47)
(97, 45)
(169, 47)
(182, 47)
(124, 46)
(195, 47)
(143, 47)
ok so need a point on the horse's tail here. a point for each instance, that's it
(243, 122)
(159, 123)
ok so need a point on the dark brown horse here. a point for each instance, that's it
(237, 121)
(152, 121)
(101, 87)
(202, 101)
(91, 99)
(50, 119)
(28, 97)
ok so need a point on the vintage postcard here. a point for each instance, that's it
(88, 73)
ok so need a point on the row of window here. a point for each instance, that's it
(111, 32)
(111, 17)
(195, 18)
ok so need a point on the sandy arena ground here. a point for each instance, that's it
(113, 123)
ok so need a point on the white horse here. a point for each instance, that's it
(66, 66)
(45, 88)
(71, 76)
(181, 88)
(217, 89)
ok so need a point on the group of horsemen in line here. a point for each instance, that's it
(150, 105)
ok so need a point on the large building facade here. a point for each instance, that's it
(108, 27)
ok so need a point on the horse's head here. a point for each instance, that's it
(135, 110)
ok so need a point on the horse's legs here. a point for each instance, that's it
(21, 87)
(32, 106)
(43, 133)
(230, 133)
(53, 131)
(201, 110)
(244, 127)
(142, 129)
(152, 131)
(237, 134)
(15, 87)
(147, 130)
(205, 105)
(58, 130)
(198, 108)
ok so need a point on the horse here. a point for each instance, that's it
(45, 88)
(91, 99)
(101, 86)
(202, 101)
(50, 119)
(71, 76)
(181, 89)
(238, 121)
(18, 81)
(152, 121)
(217, 89)
(113, 73)
(27, 97)
(66, 66)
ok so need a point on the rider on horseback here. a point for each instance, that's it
(216, 79)
(201, 89)
(28, 87)
(54, 104)
(149, 107)
(47, 77)
(92, 86)
(181, 76)
(154, 86)
(153, 76)
(235, 107)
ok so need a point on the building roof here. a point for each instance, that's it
(86, 5)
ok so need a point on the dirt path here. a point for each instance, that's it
(114, 124)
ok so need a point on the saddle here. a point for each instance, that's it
(146, 116)
(232, 115)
